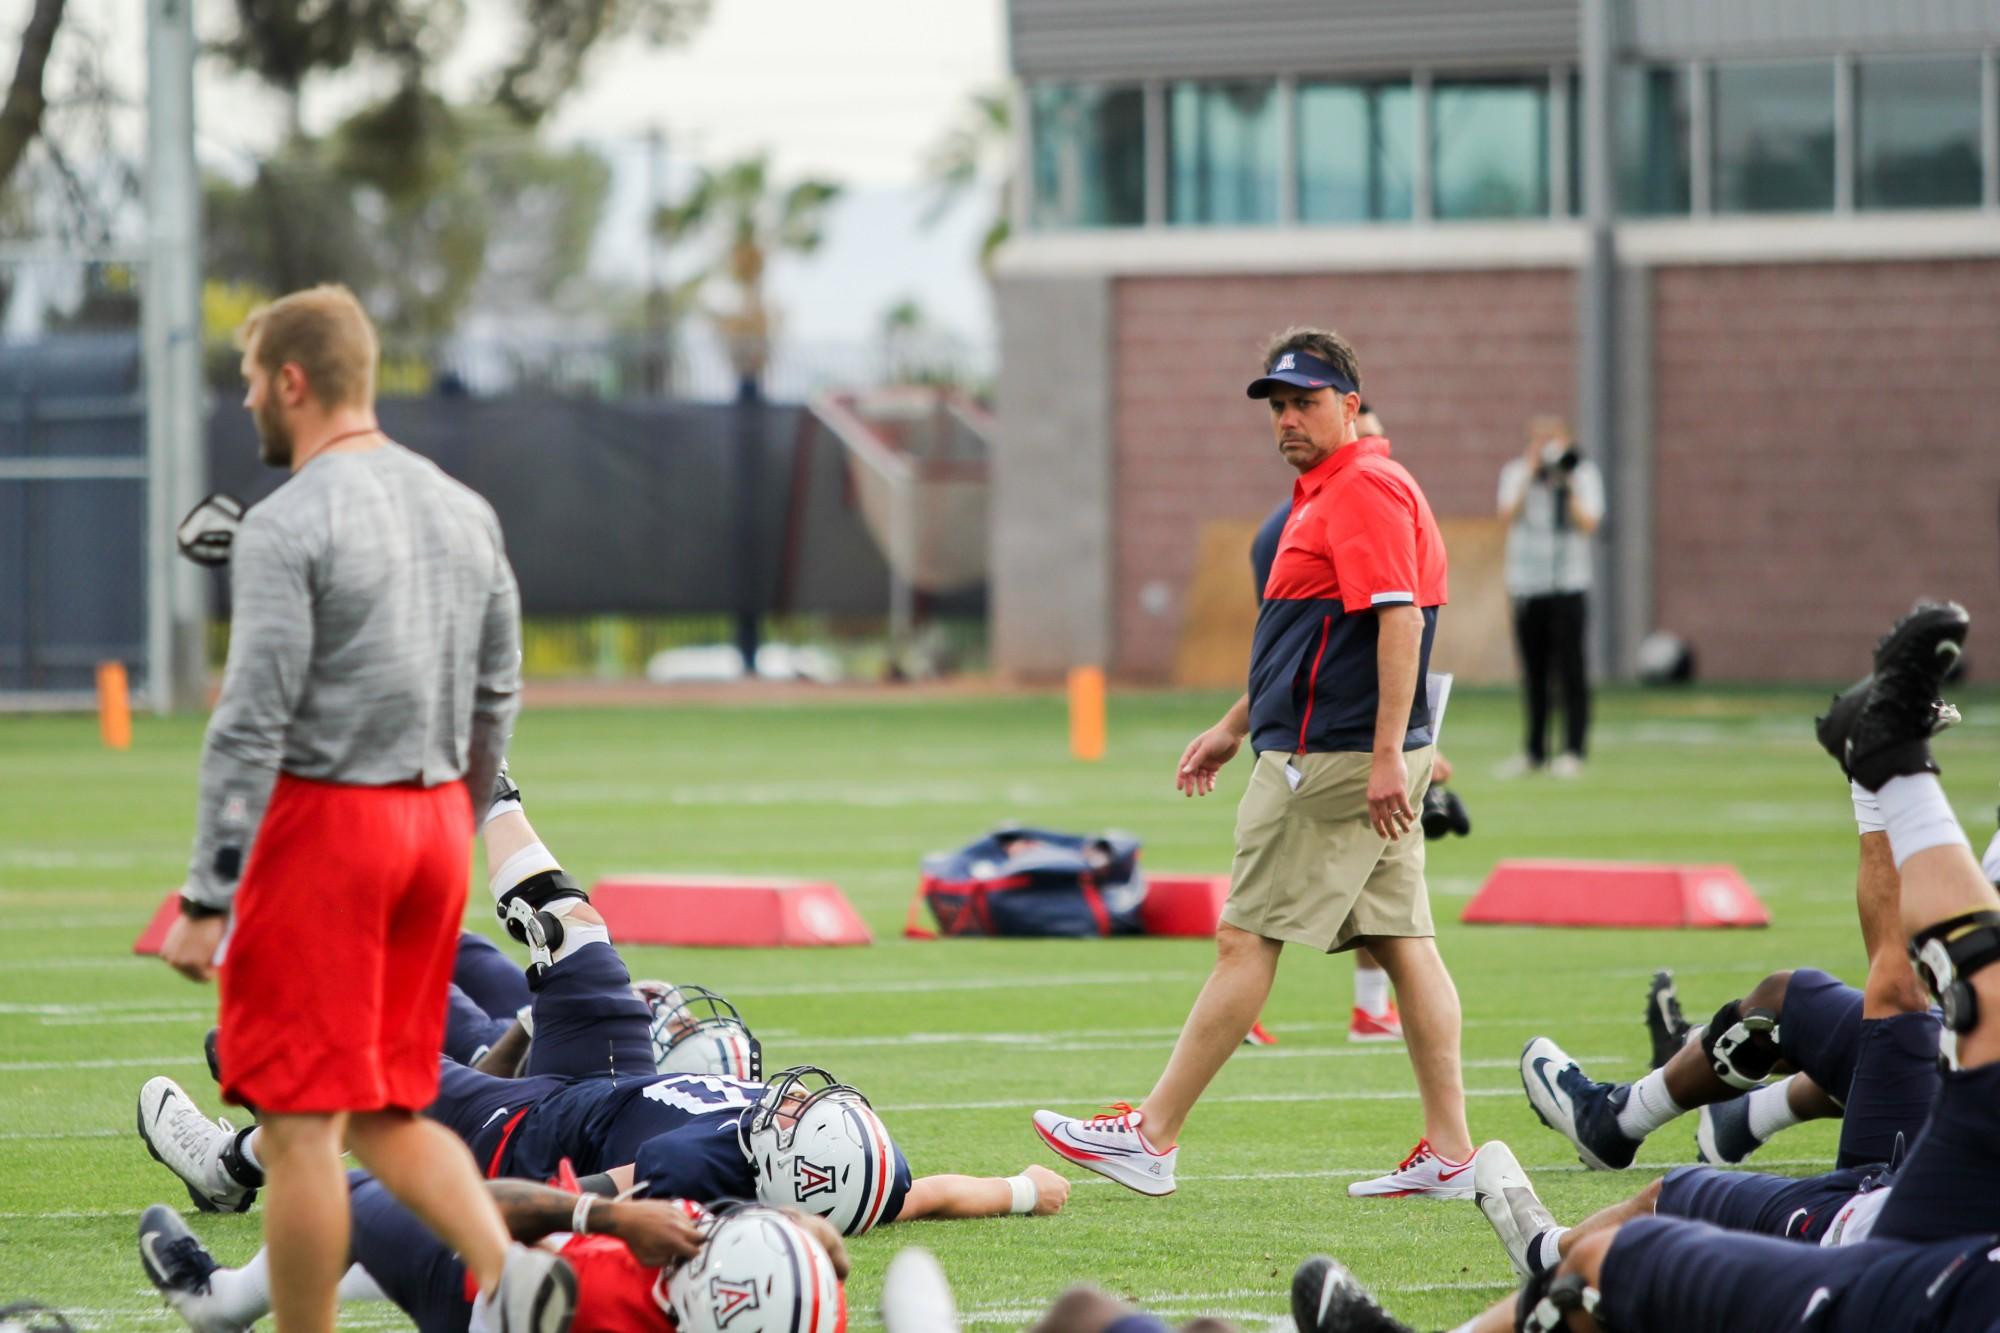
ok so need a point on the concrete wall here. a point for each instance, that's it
(1455, 362)
(1052, 518)
(1826, 451)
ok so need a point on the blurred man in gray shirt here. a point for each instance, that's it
(373, 664)
(1552, 499)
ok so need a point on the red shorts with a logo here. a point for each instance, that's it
(341, 948)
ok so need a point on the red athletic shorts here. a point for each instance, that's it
(345, 931)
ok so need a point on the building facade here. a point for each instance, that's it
(1753, 250)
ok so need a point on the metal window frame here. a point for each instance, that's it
(1701, 139)
(1155, 108)
(1288, 150)
(1989, 127)
(1423, 180)
(1844, 138)
(1560, 203)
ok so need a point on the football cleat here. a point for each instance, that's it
(1385, 1026)
(1111, 1144)
(202, 1152)
(1582, 1111)
(1508, 1199)
(1422, 1174)
(916, 1297)
(179, 1267)
(536, 1294)
(1326, 1298)
(1723, 1137)
(1259, 1035)
(1880, 728)
(1666, 1026)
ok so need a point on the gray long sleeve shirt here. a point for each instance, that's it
(375, 639)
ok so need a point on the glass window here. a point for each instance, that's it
(1916, 125)
(1222, 153)
(1654, 161)
(1090, 156)
(1490, 148)
(1773, 138)
(1357, 152)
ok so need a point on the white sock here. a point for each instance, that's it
(530, 860)
(1918, 815)
(248, 1147)
(1771, 1109)
(1371, 991)
(358, 1285)
(1867, 810)
(576, 934)
(1544, 1256)
(1648, 1108)
(240, 1295)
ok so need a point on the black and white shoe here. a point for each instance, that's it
(1326, 1298)
(1722, 1136)
(1666, 1026)
(204, 1153)
(1508, 1199)
(180, 1269)
(537, 1292)
(1880, 728)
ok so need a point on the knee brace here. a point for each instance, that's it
(1741, 1045)
(551, 893)
(1948, 954)
(1546, 1300)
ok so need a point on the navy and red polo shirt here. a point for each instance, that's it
(1360, 536)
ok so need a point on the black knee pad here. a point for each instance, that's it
(1741, 1044)
(538, 891)
(1546, 1301)
(1946, 956)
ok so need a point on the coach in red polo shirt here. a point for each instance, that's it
(1328, 852)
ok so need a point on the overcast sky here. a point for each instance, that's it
(854, 90)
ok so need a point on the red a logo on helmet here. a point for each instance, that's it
(730, 1298)
(808, 1179)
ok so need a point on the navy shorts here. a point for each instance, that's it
(1950, 1183)
(1663, 1275)
(478, 1107)
(411, 1266)
(1819, 1031)
(587, 1020)
(469, 1031)
(1799, 1209)
(493, 980)
(1895, 1083)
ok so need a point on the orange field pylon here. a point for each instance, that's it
(114, 706)
(1086, 712)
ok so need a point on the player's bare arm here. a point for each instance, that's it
(1398, 646)
(658, 1232)
(942, 1197)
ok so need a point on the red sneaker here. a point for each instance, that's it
(1261, 1036)
(1364, 1026)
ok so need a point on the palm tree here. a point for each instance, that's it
(979, 147)
(742, 219)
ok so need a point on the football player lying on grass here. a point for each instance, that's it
(633, 1266)
(1933, 1261)
(916, 1298)
(803, 1140)
(1803, 1020)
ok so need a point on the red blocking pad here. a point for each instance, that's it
(155, 934)
(1183, 904)
(703, 911)
(1613, 893)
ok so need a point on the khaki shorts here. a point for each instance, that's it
(1310, 870)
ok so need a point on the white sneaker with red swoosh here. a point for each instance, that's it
(1111, 1145)
(1422, 1172)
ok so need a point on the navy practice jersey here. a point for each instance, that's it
(601, 1123)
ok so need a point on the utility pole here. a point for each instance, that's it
(1597, 354)
(176, 455)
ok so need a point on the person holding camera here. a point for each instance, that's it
(1552, 499)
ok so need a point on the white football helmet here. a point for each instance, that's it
(816, 1145)
(758, 1272)
(696, 1031)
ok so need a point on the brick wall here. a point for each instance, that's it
(1827, 448)
(1456, 363)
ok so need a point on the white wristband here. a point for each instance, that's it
(1025, 1194)
(579, 1218)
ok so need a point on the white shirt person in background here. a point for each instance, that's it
(1552, 498)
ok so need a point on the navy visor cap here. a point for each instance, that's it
(1301, 370)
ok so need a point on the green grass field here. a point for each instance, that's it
(957, 1042)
